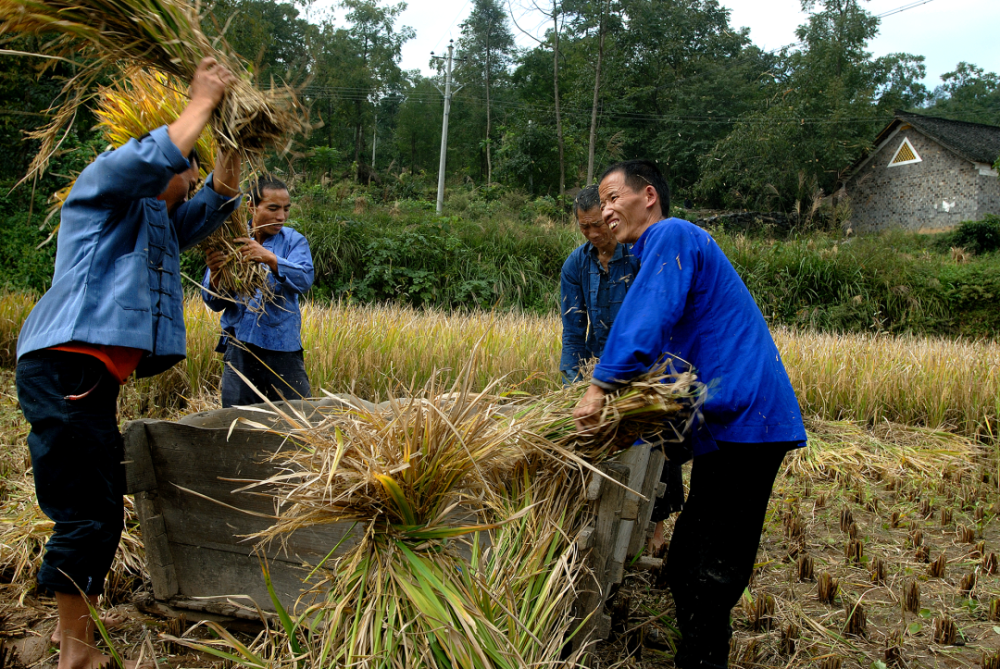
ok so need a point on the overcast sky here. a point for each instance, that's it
(943, 31)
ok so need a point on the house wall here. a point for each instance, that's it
(935, 194)
(989, 195)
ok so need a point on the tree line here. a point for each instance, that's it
(730, 124)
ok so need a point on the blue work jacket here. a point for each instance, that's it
(688, 302)
(117, 278)
(279, 327)
(590, 299)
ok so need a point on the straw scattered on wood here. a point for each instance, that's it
(467, 507)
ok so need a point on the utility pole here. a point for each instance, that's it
(444, 122)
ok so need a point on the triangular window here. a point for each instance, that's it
(905, 154)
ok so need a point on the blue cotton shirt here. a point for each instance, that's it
(688, 302)
(590, 299)
(279, 327)
(117, 275)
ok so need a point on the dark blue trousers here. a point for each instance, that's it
(77, 456)
(279, 375)
(714, 545)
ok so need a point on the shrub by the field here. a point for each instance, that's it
(979, 237)
(504, 250)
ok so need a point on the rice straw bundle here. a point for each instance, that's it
(142, 100)
(161, 34)
(238, 277)
(657, 406)
(468, 516)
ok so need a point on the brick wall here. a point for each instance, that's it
(989, 195)
(937, 193)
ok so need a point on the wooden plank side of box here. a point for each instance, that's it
(223, 575)
(207, 525)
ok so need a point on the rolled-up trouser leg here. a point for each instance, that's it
(77, 456)
(715, 542)
(277, 375)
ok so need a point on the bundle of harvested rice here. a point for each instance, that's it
(468, 516)
(164, 35)
(657, 407)
(238, 277)
(142, 100)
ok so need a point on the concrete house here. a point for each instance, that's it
(926, 174)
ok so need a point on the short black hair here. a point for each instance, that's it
(641, 173)
(587, 199)
(263, 183)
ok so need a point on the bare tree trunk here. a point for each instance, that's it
(489, 159)
(358, 135)
(555, 83)
(597, 88)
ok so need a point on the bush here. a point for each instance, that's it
(976, 236)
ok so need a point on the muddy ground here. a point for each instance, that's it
(866, 561)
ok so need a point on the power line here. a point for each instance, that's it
(898, 10)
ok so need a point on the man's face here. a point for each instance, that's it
(271, 212)
(595, 230)
(624, 210)
(179, 188)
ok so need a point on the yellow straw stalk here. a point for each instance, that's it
(161, 34)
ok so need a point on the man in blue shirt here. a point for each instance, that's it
(594, 280)
(115, 306)
(262, 340)
(688, 303)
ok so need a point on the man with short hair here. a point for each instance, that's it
(262, 339)
(115, 306)
(688, 303)
(593, 283)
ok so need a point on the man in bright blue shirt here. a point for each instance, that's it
(262, 340)
(115, 307)
(593, 283)
(688, 303)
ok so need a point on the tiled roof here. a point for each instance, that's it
(975, 142)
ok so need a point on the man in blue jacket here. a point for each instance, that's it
(262, 340)
(593, 283)
(689, 304)
(115, 306)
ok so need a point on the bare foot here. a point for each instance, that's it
(657, 541)
(110, 619)
(97, 660)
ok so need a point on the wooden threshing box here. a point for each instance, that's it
(195, 527)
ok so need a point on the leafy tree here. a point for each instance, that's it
(270, 35)
(828, 101)
(485, 49)
(967, 94)
(356, 67)
(418, 126)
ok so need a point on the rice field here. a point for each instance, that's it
(896, 488)
(376, 351)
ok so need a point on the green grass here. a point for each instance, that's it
(506, 253)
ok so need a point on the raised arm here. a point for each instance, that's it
(211, 294)
(208, 87)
